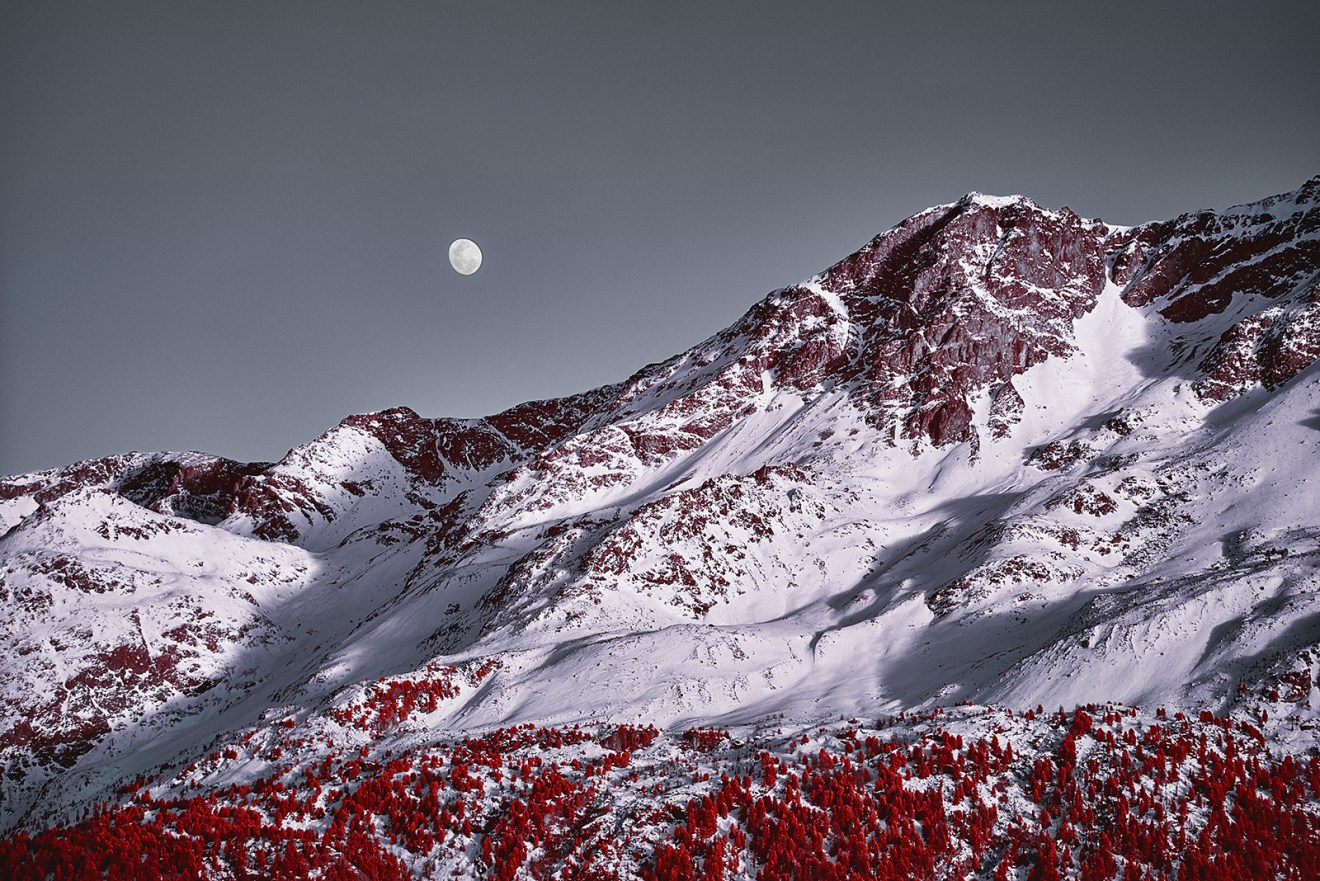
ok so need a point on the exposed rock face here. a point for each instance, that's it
(985, 448)
(1266, 348)
(961, 298)
(206, 491)
(1005, 410)
(1198, 263)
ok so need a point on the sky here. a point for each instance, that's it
(224, 227)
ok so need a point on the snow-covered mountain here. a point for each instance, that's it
(1001, 454)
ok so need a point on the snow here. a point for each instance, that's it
(994, 201)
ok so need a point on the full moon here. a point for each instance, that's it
(465, 256)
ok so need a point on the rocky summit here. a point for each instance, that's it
(991, 551)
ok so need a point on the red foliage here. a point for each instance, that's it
(389, 702)
(1115, 797)
(704, 739)
(630, 737)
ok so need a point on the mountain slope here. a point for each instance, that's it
(1000, 454)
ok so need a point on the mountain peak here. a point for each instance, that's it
(984, 200)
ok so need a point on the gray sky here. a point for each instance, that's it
(223, 226)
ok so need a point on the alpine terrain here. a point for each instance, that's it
(992, 551)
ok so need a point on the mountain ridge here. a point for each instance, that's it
(999, 453)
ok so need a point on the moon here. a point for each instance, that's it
(464, 256)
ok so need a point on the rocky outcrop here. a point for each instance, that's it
(1196, 265)
(1266, 348)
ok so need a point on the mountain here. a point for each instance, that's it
(1001, 455)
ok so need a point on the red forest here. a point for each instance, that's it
(1099, 793)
